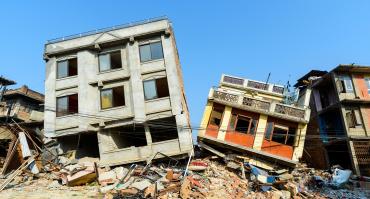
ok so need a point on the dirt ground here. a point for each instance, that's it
(43, 189)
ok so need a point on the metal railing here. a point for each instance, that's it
(126, 25)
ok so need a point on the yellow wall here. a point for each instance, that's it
(224, 123)
(205, 118)
(299, 141)
(260, 132)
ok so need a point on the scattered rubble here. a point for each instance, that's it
(209, 177)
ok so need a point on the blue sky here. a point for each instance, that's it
(243, 38)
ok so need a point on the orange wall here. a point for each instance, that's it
(361, 86)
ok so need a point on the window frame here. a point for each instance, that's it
(156, 88)
(150, 47)
(111, 88)
(67, 113)
(222, 116)
(233, 128)
(68, 69)
(346, 81)
(110, 61)
(283, 127)
(367, 82)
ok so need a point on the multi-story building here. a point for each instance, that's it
(340, 119)
(256, 118)
(117, 93)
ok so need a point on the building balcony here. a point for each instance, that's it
(272, 108)
(247, 84)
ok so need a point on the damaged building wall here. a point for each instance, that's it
(250, 114)
(124, 78)
(343, 126)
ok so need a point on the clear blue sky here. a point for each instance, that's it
(243, 38)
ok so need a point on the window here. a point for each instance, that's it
(151, 51)
(242, 124)
(345, 84)
(112, 97)
(280, 134)
(216, 116)
(353, 118)
(367, 81)
(156, 88)
(67, 105)
(110, 61)
(67, 68)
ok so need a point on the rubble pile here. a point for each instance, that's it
(209, 177)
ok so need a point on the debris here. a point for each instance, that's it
(107, 178)
(141, 185)
(340, 177)
(197, 166)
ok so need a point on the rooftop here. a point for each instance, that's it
(25, 91)
(97, 31)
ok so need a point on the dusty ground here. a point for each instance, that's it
(43, 189)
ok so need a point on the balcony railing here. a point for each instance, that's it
(224, 96)
(250, 103)
(278, 89)
(255, 103)
(257, 85)
(233, 80)
(253, 84)
(291, 111)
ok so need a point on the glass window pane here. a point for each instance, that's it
(104, 62)
(145, 53)
(115, 60)
(106, 98)
(118, 96)
(62, 69)
(156, 49)
(150, 91)
(62, 106)
(269, 130)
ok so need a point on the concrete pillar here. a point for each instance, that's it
(224, 123)
(205, 119)
(136, 82)
(299, 141)
(148, 136)
(260, 133)
(355, 166)
(87, 71)
(50, 100)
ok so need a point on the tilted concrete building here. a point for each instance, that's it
(340, 120)
(119, 88)
(256, 119)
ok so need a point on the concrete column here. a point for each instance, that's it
(299, 141)
(148, 136)
(87, 72)
(205, 119)
(50, 100)
(136, 82)
(354, 162)
(365, 114)
(224, 123)
(172, 75)
(260, 133)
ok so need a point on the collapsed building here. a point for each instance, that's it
(20, 109)
(340, 118)
(117, 93)
(258, 119)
